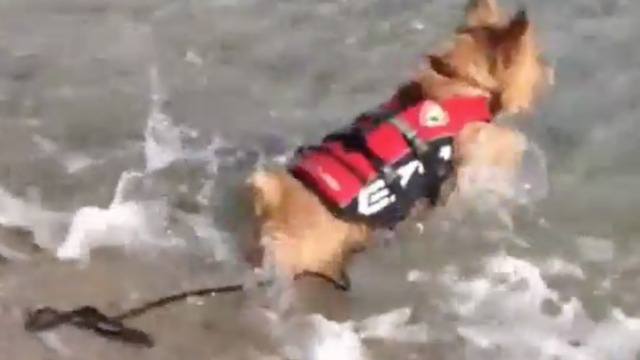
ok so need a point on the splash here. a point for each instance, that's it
(527, 185)
(532, 179)
(127, 223)
(163, 139)
(134, 221)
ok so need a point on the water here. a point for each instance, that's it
(126, 130)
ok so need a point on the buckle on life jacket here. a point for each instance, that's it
(411, 136)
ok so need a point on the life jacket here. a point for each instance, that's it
(376, 168)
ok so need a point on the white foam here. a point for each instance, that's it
(394, 326)
(74, 162)
(501, 317)
(125, 223)
(193, 57)
(129, 224)
(558, 266)
(416, 275)
(617, 338)
(128, 186)
(313, 337)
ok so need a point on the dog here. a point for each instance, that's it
(315, 214)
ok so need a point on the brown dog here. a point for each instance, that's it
(489, 57)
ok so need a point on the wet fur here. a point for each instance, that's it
(488, 55)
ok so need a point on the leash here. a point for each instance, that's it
(113, 328)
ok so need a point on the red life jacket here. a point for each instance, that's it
(353, 170)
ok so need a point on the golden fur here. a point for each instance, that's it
(488, 55)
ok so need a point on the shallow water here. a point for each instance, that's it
(127, 129)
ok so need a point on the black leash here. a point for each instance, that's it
(113, 328)
(88, 318)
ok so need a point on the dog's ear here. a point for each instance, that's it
(410, 93)
(520, 63)
(517, 31)
(481, 13)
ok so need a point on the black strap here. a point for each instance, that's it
(354, 137)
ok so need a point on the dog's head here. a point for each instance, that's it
(494, 54)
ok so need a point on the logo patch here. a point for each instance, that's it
(375, 197)
(432, 115)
